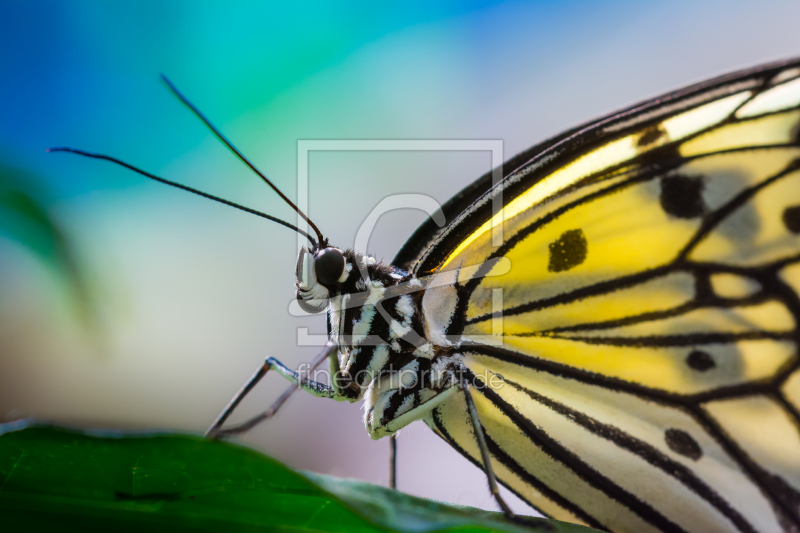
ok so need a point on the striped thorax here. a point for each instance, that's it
(375, 317)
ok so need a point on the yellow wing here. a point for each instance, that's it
(640, 358)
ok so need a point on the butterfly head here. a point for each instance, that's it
(318, 272)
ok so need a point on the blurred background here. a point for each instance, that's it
(125, 303)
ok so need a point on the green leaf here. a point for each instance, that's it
(24, 218)
(60, 479)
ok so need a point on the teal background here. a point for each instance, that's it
(189, 296)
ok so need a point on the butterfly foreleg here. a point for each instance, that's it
(298, 383)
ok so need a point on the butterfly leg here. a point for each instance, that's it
(312, 387)
(487, 463)
(393, 462)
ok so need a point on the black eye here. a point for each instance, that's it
(329, 266)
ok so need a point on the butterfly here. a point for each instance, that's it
(610, 330)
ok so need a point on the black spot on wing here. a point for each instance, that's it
(700, 361)
(651, 135)
(568, 251)
(681, 442)
(791, 219)
(682, 196)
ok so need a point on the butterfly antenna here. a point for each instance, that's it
(185, 188)
(241, 156)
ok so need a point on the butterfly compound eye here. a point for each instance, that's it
(329, 266)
